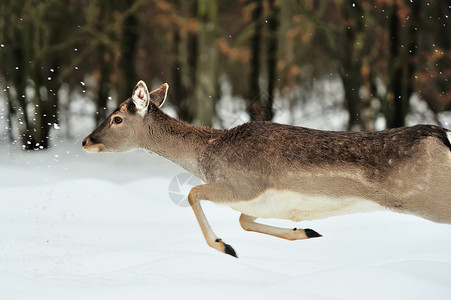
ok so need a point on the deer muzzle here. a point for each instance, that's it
(90, 145)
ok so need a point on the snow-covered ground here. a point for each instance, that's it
(81, 226)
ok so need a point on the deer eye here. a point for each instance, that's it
(117, 120)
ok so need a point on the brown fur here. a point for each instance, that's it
(385, 166)
(406, 169)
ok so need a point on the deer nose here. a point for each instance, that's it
(84, 142)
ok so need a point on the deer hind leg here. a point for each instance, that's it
(248, 223)
(208, 192)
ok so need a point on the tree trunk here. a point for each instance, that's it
(414, 22)
(256, 108)
(128, 46)
(192, 51)
(351, 84)
(20, 79)
(397, 82)
(397, 97)
(184, 63)
(186, 55)
(37, 133)
(273, 25)
(351, 63)
(176, 90)
(206, 88)
(104, 84)
(11, 112)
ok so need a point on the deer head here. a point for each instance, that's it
(126, 126)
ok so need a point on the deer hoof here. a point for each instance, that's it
(310, 233)
(227, 248)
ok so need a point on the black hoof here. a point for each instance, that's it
(229, 250)
(311, 233)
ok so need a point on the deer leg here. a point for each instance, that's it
(248, 223)
(207, 192)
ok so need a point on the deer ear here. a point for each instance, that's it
(159, 95)
(141, 97)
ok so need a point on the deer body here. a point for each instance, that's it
(407, 170)
(269, 170)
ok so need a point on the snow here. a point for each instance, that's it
(102, 226)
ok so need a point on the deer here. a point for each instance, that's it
(269, 170)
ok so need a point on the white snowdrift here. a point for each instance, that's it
(80, 226)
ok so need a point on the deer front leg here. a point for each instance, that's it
(207, 192)
(248, 223)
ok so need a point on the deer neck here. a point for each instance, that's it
(180, 142)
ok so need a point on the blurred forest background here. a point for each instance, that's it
(267, 54)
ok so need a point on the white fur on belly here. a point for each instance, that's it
(297, 207)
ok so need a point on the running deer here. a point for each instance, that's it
(269, 170)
